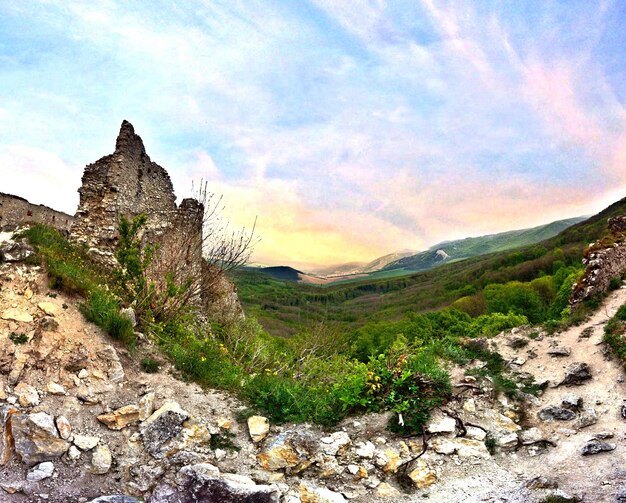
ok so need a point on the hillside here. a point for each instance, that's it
(281, 307)
(460, 249)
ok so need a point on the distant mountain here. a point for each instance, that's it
(450, 251)
(287, 273)
(352, 268)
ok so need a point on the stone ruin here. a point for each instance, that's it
(605, 260)
(16, 211)
(128, 183)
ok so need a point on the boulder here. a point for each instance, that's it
(576, 374)
(586, 418)
(198, 484)
(258, 427)
(385, 490)
(121, 418)
(15, 251)
(101, 460)
(36, 438)
(293, 450)
(162, 427)
(64, 427)
(559, 351)
(421, 475)
(440, 423)
(48, 308)
(40, 472)
(15, 314)
(555, 413)
(310, 493)
(85, 442)
(596, 447)
(335, 443)
(572, 402)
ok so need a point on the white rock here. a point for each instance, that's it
(475, 433)
(16, 315)
(47, 307)
(440, 423)
(40, 472)
(83, 374)
(55, 388)
(365, 450)
(27, 395)
(258, 427)
(507, 441)
(64, 427)
(85, 442)
(73, 453)
(101, 460)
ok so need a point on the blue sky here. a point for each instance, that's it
(351, 129)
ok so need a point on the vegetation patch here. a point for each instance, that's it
(18, 338)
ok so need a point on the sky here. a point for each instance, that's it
(350, 129)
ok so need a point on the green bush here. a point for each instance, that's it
(516, 297)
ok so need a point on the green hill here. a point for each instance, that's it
(283, 308)
(450, 251)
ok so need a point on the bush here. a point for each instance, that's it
(150, 366)
(516, 297)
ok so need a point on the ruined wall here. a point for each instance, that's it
(125, 183)
(16, 211)
(605, 260)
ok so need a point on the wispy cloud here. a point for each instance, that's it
(350, 128)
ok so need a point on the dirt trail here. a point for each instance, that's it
(596, 478)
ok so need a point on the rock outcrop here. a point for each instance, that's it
(605, 261)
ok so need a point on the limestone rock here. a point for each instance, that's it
(385, 490)
(197, 484)
(36, 438)
(27, 395)
(146, 406)
(6, 436)
(258, 427)
(572, 402)
(115, 498)
(101, 460)
(531, 436)
(365, 450)
(587, 417)
(129, 312)
(596, 447)
(440, 423)
(310, 493)
(122, 417)
(164, 425)
(335, 443)
(559, 351)
(555, 413)
(64, 427)
(16, 315)
(421, 475)
(85, 442)
(292, 450)
(73, 453)
(48, 308)
(15, 251)
(463, 447)
(55, 389)
(40, 472)
(577, 373)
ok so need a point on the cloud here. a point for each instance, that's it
(352, 129)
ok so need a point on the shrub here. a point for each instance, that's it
(150, 366)
(615, 283)
(18, 338)
(515, 297)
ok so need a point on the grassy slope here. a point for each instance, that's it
(471, 247)
(283, 307)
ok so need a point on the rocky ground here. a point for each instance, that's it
(79, 422)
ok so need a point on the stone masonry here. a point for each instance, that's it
(127, 183)
(16, 211)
